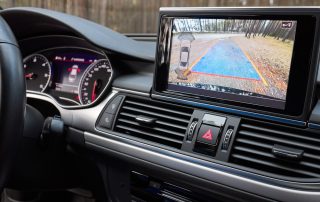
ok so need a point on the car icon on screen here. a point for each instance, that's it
(184, 56)
(182, 70)
(73, 73)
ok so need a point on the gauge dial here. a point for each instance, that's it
(94, 81)
(37, 72)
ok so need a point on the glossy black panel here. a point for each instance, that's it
(303, 66)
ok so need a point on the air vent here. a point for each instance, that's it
(254, 143)
(154, 121)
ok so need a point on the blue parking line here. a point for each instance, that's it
(226, 58)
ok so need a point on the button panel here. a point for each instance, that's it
(210, 134)
(108, 115)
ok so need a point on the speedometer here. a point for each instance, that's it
(94, 81)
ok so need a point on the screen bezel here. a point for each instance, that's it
(299, 78)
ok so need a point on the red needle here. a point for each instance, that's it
(93, 95)
(29, 76)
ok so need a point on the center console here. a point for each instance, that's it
(233, 101)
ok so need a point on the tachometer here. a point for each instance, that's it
(93, 82)
(37, 72)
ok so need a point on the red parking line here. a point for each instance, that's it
(225, 76)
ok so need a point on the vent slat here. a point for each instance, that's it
(253, 151)
(274, 165)
(158, 108)
(181, 135)
(166, 124)
(148, 134)
(278, 140)
(168, 127)
(158, 121)
(254, 143)
(267, 146)
(269, 155)
(312, 156)
(253, 148)
(276, 132)
(145, 112)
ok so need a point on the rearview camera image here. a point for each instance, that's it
(239, 56)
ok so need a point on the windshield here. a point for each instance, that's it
(137, 16)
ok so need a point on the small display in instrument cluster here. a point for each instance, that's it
(68, 69)
(70, 72)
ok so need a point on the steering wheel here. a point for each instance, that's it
(12, 100)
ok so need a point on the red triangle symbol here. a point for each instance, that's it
(207, 135)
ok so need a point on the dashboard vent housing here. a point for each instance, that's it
(254, 143)
(169, 123)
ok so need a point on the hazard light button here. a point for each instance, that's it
(208, 134)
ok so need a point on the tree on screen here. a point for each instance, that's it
(278, 29)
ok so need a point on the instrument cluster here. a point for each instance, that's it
(72, 76)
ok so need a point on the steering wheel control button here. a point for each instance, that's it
(226, 139)
(208, 134)
(114, 105)
(214, 120)
(191, 130)
(106, 120)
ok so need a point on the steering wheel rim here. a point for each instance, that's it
(12, 100)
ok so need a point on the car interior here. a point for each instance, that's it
(221, 104)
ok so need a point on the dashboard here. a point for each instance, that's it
(135, 99)
(72, 76)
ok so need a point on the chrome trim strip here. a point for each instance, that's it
(231, 110)
(52, 100)
(67, 99)
(202, 171)
(131, 91)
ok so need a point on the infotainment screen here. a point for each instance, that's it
(245, 60)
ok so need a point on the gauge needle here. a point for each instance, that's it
(29, 76)
(93, 95)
